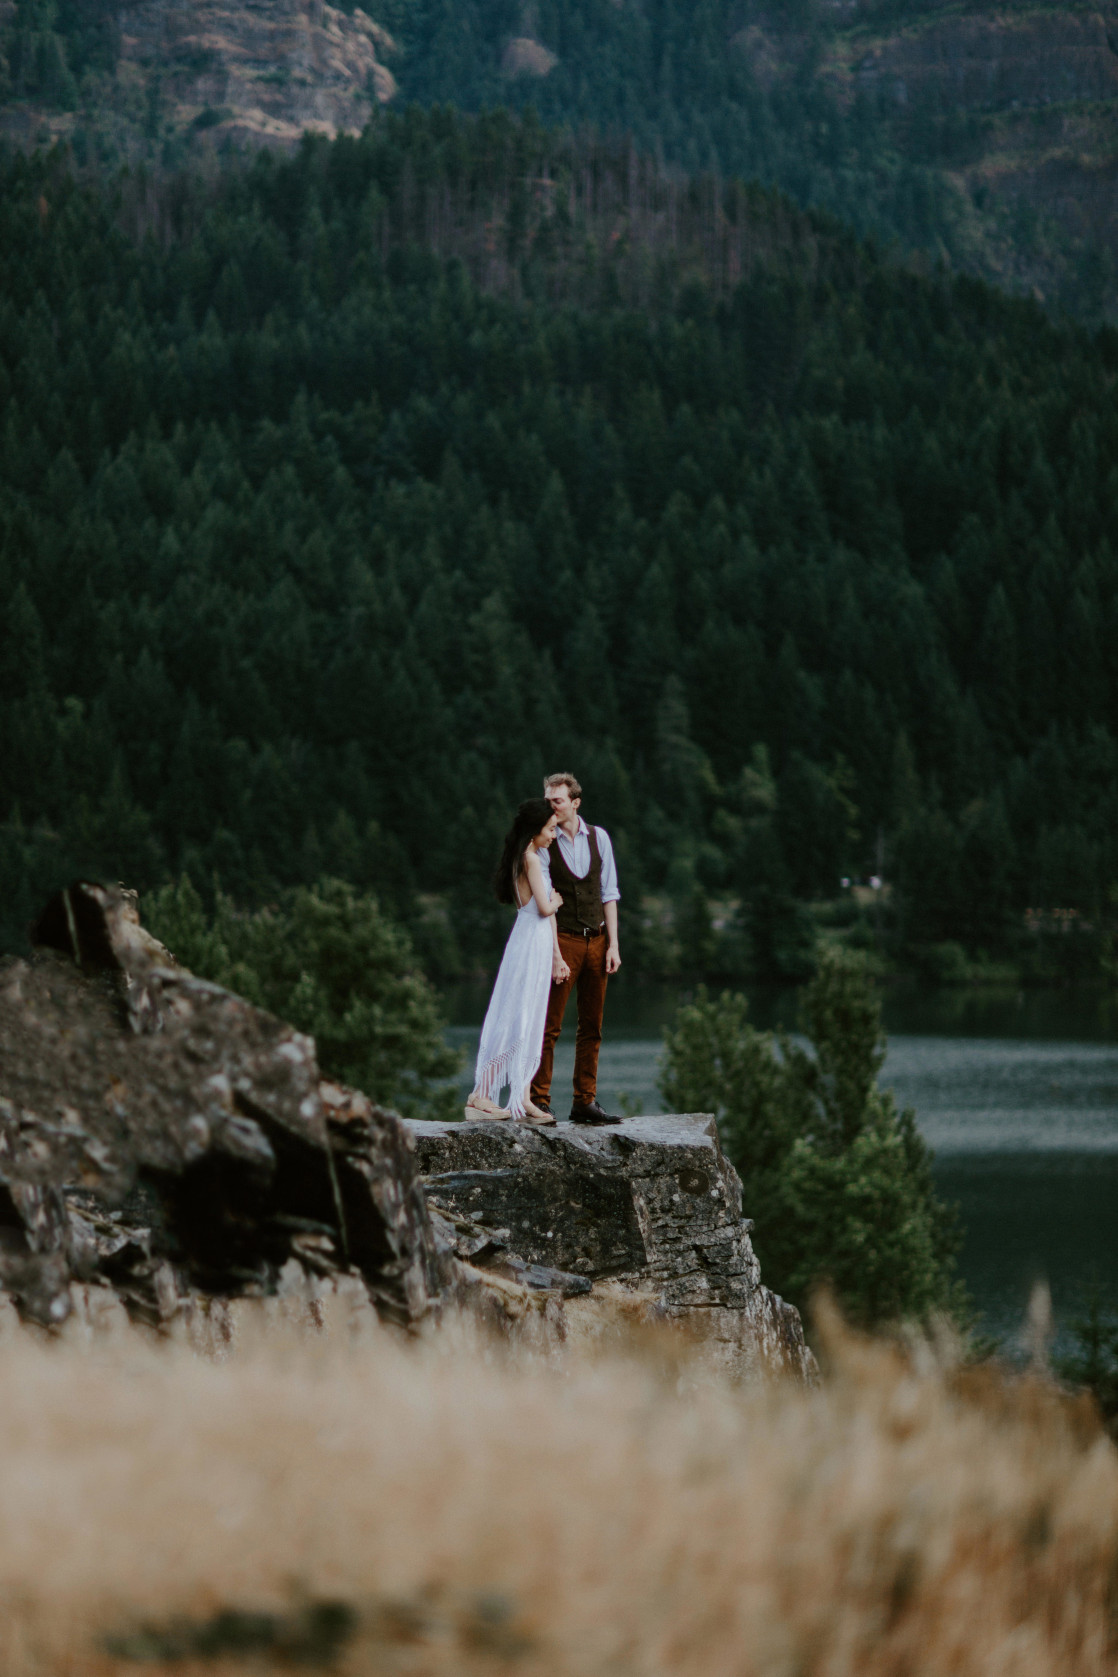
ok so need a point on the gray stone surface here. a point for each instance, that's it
(160, 1135)
(651, 1202)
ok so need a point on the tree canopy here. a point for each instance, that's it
(344, 495)
(327, 959)
(837, 1180)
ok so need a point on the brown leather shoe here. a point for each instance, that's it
(591, 1113)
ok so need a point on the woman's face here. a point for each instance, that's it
(546, 833)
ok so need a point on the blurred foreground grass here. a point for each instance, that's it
(293, 1486)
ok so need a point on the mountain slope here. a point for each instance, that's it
(343, 495)
(983, 134)
(175, 71)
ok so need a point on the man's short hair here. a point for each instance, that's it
(567, 780)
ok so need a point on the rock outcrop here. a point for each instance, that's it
(652, 1203)
(160, 1135)
(162, 1138)
(262, 72)
(525, 56)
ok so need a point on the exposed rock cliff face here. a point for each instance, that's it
(652, 1203)
(161, 1136)
(164, 1141)
(263, 70)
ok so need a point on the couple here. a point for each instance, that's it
(562, 878)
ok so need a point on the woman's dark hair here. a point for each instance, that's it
(531, 818)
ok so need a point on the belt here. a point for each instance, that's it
(587, 932)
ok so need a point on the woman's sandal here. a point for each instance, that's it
(478, 1107)
(534, 1115)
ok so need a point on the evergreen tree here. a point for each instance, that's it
(837, 1180)
(329, 960)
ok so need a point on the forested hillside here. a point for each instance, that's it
(343, 496)
(983, 134)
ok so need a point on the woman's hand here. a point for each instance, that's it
(555, 902)
(560, 971)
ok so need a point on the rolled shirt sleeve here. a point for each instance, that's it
(610, 891)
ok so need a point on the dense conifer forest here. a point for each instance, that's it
(341, 496)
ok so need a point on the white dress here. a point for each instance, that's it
(512, 1035)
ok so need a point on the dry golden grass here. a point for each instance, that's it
(316, 1495)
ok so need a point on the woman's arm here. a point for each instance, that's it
(534, 874)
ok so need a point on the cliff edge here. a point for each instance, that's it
(652, 1204)
(166, 1145)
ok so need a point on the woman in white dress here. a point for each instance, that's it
(512, 1036)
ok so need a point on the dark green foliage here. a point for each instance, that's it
(312, 1636)
(327, 959)
(343, 496)
(781, 937)
(36, 53)
(837, 1181)
(747, 88)
(1094, 1361)
(733, 88)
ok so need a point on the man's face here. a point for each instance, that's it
(565, 807)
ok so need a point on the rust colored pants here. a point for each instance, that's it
(586, 958)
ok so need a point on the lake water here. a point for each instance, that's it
(1016, 1092)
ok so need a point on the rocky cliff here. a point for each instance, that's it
(1011, 105)
(653, 1204)
(162, 1137)
(167, 1146)
(253, 72)
(261, 71)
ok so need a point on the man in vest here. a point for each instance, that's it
(584, 873)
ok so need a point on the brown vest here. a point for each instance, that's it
(582, 898)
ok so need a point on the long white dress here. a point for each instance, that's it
(512, 1035)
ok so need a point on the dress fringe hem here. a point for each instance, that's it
(509, 1067)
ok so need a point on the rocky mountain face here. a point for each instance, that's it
(1014, 105)
(266, 70)
(261, 72)
(1011, 106)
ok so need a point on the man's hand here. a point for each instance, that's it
(560, 971)
(613, 953)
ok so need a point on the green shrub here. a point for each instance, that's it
(1093, 1363)
(328, 959)
(943, 963)
(837, 1180)
(782, 935)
